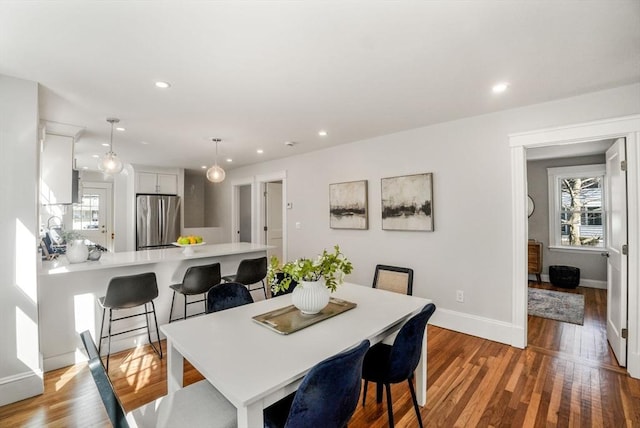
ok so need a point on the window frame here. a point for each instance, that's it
(555, 177)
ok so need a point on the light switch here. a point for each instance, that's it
(289, 205)
(298, 225)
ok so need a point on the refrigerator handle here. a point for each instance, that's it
(161, 220)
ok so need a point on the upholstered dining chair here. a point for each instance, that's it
(327, 396)
(197, 280)
(197, 405)
(250, 271)
(126, 292)
(226, 296)
(385, 364)
(394, 278)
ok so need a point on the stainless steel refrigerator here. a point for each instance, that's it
(157, 221)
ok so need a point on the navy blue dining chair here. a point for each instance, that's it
(387, 364)
(327, 397)
(226, 296)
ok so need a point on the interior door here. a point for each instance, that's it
(273, 218)
(616, 209)
(90, 216)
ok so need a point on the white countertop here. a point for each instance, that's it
(130, 258)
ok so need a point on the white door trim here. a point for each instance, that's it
(235, 207)
(628, 127)
(259, 200)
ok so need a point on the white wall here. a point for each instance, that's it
(20, 361)
(470, 249)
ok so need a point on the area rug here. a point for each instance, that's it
(556, 305)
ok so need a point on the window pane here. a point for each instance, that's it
(581, 213)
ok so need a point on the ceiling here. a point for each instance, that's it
(257, 74)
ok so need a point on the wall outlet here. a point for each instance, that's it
(459, 296)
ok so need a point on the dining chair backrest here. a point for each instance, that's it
(199, 279)
(407, 347)
(226, 296)
(251, 271)
(394, 278)
(130, 291)
(279, 277)
(329, 393)
(112, 404)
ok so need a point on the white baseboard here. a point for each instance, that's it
(590, 283)
(486, 328)
(20, 386)
(117, 345)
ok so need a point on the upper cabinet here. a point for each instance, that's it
(151, 182)
(56, 172)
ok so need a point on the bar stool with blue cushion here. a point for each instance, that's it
(385, 364)
(126, 292)
(197, 405)
(226, 296)
(250, 271)
(328, 395)
(197, 280)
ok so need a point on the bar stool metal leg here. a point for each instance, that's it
(173, 298)
(155, 318)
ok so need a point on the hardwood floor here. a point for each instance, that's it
(564, 378)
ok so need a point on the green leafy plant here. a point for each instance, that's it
(71, 235)
(332, 267)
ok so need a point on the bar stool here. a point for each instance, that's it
(197, 280)
(125, 292)
(250, 271)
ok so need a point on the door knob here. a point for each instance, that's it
(605, 254)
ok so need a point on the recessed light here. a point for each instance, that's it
(322, 133)
(499, 88)
(85, 167)
(163, 85)
(144, 142)
(260, 151)
(203, 167)
(120, 128)
(95, 156)
(229, 160)
(105, 144)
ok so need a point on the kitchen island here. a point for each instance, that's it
(68, 294)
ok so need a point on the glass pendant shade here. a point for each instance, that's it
(110, 163)
(216, 174)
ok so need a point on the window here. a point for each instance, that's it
(85, 214)
(576, 207)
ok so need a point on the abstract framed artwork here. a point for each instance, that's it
(407, 202)
(348, 205)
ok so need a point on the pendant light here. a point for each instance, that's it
(215, 174)
(110, 163)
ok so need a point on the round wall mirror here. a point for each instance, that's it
(530, 206)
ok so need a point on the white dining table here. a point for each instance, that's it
(253, 366)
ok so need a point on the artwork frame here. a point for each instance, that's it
(349, 205)
(407, 202)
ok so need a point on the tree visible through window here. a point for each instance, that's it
(577, 206)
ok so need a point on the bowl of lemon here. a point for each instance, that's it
(188, 242)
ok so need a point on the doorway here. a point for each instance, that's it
(263, 214)
(627, 127)
(92, 216)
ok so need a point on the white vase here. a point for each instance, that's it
(310, 296)
(77, 251)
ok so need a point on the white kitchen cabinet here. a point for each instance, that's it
(151, 182)
(56, 172)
